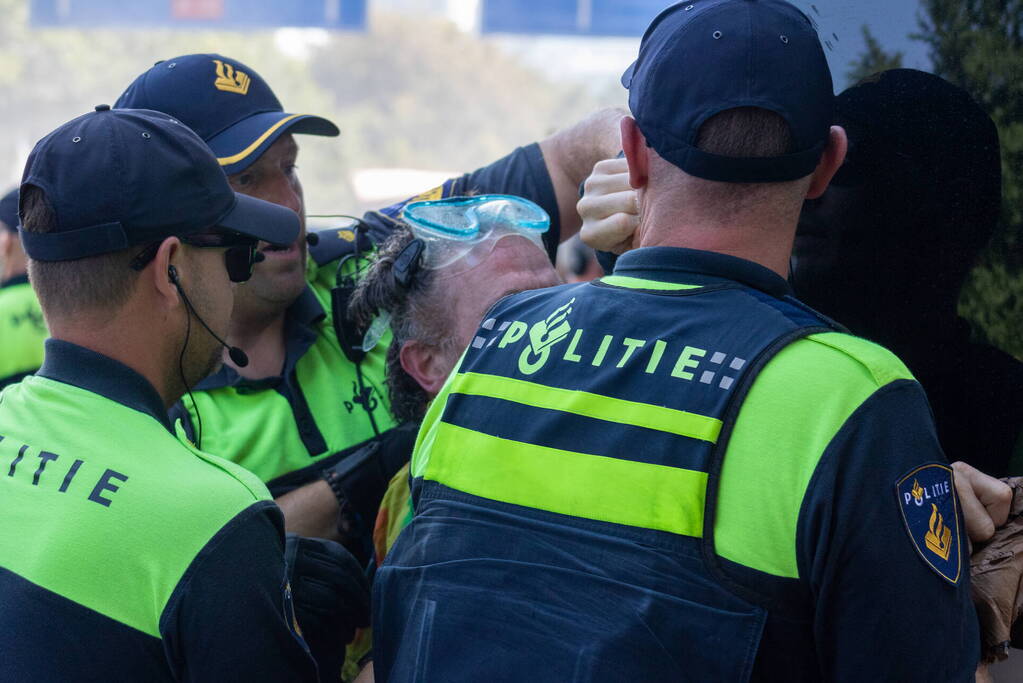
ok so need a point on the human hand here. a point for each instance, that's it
(985, 501)
(331, 593)
(609, 207)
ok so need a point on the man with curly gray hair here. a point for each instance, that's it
(434, 314)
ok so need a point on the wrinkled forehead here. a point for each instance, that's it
(515, 263)
(518, 253)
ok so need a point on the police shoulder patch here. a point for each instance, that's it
(930, 510)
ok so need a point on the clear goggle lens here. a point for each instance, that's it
(466, 228)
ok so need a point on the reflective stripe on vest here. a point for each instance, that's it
(565, 403)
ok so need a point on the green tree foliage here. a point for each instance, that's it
(873, 59)
(978, 45)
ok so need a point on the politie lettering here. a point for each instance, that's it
(691, 363)
(920, 494)
(107, 483)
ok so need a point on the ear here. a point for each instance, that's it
(636, 153)
(831, 161)
(425, 364)
(158, 275)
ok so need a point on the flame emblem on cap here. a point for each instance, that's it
(230, 80)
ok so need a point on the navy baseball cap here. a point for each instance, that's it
(9, 210)
(228, 104)
(119, 178)
(701, 57)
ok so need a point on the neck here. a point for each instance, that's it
(262, 339)
(764, 238)
(149, 355)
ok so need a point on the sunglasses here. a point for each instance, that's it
(239, 259)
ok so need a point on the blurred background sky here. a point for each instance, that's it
(455, 82)
(425, 89)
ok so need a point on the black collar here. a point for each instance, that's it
(72, 364)
(16, 280)
(694, 267)
(299, 334)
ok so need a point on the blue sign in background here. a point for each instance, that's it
(579, 17)
(220, 14)
(839, 22)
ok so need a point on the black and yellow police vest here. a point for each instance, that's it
(629, 480)
(127, 552)
(22, 331)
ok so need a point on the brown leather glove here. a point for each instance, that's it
(996, 574)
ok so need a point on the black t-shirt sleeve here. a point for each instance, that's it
(522, 173)
(230, 617)
(881, 611)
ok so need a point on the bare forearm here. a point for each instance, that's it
(570, 155)
(310, 511)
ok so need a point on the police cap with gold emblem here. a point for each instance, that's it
(228, 104)
(116, 179)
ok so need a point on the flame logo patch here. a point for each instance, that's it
(542, 336)
(917, 491)
(230, 80)
(939, 535)
(930, 510)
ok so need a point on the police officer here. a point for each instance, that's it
(887, 248)
(21, 321)
(128, 554)
(681, 472)
(309, 413)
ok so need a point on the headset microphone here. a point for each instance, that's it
(237, 356)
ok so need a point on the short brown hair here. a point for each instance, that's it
(746, 132)
(66, 288)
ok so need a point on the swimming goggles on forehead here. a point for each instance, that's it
(464, 230)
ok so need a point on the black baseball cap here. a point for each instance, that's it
(119, 178)
(702, 57)
(228, 104)
(9, 210)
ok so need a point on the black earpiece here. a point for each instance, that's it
(237, 356)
